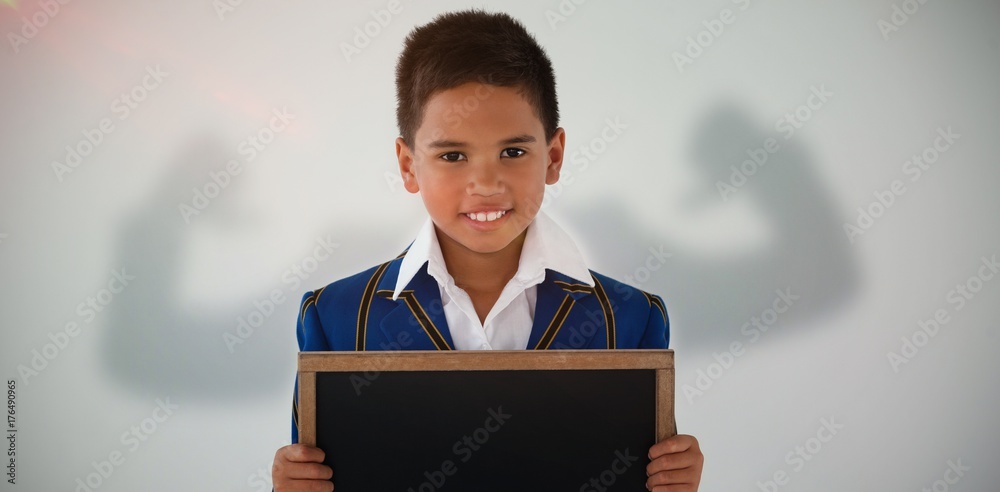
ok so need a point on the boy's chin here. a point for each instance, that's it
(480, 242)
(486, 247)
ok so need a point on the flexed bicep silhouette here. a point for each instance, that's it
(152, 342)
(155, 342)
(711, 297)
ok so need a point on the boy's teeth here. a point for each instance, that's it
(486, 216)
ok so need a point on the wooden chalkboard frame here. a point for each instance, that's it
(659, 360)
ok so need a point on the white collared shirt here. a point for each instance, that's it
(508, 324)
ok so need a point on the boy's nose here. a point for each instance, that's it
(485, 179)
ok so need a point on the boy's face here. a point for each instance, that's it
(480, 154)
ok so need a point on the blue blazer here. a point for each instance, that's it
(358, 313)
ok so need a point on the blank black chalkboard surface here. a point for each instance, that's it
(517, 420)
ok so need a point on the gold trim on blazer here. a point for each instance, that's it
(555, 323)
(609, 313)
(653, 300)
(421, 316)
(568, 287)
(365, 307)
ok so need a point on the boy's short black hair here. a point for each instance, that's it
(472, 46)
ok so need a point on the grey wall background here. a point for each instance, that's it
(645, 207)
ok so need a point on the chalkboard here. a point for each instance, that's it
(423, 421)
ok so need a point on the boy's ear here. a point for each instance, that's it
(405, 157)
(556, 153)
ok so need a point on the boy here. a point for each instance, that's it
(478, 119)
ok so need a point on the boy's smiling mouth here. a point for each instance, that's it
(486, 215)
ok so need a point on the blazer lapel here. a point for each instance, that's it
(556, 302)
(418, 313)
(561, 312)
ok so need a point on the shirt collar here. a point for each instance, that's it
(546, 246)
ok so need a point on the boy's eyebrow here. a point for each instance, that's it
(524, 138)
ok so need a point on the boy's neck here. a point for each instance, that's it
(480, 272)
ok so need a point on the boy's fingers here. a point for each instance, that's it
(673, 477)
(303, 486)
(672, 462)
(302, 453)
(306, 471)
(675, 444)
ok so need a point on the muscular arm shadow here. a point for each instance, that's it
(709, 300)
(154, 344)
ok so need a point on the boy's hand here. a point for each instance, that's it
(675, 466)
(300, 468)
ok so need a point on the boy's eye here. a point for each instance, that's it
(515, 151)
(511, 152)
